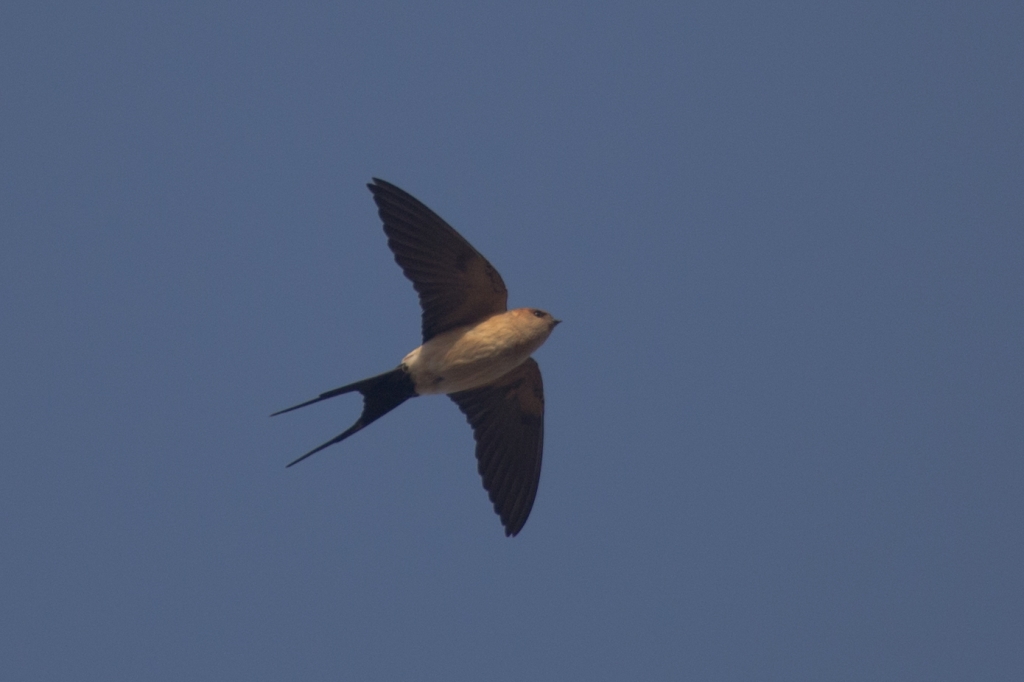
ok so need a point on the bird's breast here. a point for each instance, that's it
(472, 356)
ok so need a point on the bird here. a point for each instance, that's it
(474, 350)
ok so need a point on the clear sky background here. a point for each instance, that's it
(785, 411)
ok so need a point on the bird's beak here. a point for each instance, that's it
(555, 323)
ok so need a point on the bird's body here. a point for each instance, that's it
(476, 355)
(473, 350)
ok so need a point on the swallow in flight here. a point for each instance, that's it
(474, 350)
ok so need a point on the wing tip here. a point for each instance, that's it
(377, 185)
(512, 529)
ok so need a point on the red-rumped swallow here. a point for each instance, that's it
(474, 350)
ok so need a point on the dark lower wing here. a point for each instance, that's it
(508, 424)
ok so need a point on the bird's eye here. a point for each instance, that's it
(539, 313)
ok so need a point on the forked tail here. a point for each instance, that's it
(381, 394)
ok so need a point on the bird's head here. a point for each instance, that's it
(539, 322)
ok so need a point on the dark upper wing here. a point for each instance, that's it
(508, 423)
(457, 286)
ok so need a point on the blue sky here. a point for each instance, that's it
(784, 436)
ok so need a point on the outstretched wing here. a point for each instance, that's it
(457, 286)
(508, 424)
